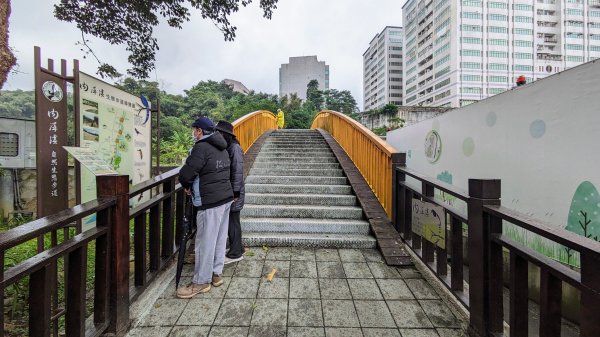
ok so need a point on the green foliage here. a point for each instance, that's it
(382, 131)
(314, 95)
(17, 104)
(341, 101)
(132, 23)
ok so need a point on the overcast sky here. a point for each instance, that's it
(337, 31)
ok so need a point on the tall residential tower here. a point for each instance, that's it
(294, 76)
(382, 69)
(458, 52)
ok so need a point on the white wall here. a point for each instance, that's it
(541, 140)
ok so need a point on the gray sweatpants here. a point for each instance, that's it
(211, 239)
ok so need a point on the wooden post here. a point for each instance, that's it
(481, 192)
(118, 186)
(590, 295)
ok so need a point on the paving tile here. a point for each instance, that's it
(228, 269)
(374, 314)
(267, 331)
(340, 313)
(165, 312)
(250, 268)
(255, 253)
(243, 287)
(283, 268)
(228, 331)
(278, 288)
(357, 270)
(374, 332)
(170, 291)
(351, 255)
(217, 292)
(279, 253)
(305, 332)
(364, 289)
(343, 332)
(187, 270)
(444, 332)
(439, 314)
(372, 255)
(330, 255)
(409, 314)
(421, 289)
(409, 272)
(269, 312)
(394, 289)
(382, 270)
(303, 254)
(155, 331)
(189, 331)
(328, 269)
(304, 312)
(304, 288)
(235, 312)
(200, 311)
(335, 289)
(418, 333)
(303, 269)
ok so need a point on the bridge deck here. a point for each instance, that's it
(316, 292)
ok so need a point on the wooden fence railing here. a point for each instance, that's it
(251, 126)
(483, 222)
(112, 288)
(373, 157)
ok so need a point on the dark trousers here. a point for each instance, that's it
(235, 236)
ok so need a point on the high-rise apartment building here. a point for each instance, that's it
(295, 75)
(382, 69)
(458, 52)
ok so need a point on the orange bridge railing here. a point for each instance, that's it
(249, 127)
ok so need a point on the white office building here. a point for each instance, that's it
(382, 69)
(295, 75)
(458, 52)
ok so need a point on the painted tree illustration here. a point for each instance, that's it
(584, 213)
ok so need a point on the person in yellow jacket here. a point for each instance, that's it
(280, 119)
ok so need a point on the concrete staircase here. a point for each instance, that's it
(297, 195)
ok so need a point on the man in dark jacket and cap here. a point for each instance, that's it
(236, 156)
(209, 161)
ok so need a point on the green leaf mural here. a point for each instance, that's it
(584, 214)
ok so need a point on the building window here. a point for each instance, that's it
(522, 67)
(392, 40)
(595, 14)
(497, 66)
(502, 79)
(471, 15)
(496, 29)
(501, 5)
(442, 49)
(395, 79)
(594, 36)
(465, 102)
(410, 99)
(574, 11)
(594, 25)
(523, 31)
(9, 144)
(470, 52)
(498, 54)
(572, 58)
(523, 56)
(442, 95)
(574, 46)
(442, 72)
(522, 7)
(571, 35)
(471, 40)
(572, 23)
(498, 17)
(471, 78)
(495, 91)
(497, 42)
(526, 19)
(442, 83)
(395, 48)
(395, 56)
(594, 48)
(471, 28)
(442, 60)
(470, 90)
(470, 65)
(521, 43)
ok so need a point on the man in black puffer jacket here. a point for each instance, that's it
(209, 161)
(236, 155)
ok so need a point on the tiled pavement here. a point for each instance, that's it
(316, 292)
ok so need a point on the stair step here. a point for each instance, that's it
(300, 199)
(268, 146)
(296, 172)
(290, 180)
(286, 225)
(280, 165)
(309, 240)
(297, 189)
(295, 150)
(292, 159)
(302, 211)
(294, 154)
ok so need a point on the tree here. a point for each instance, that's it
(389, 109)
(7, 58)
(341, 101)
(314, 95)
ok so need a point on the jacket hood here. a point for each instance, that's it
(216, 140)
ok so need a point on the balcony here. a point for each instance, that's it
(549, 57)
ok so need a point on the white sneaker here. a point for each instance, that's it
(230, 260)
